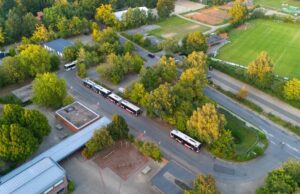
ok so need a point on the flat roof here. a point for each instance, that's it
(58, 45)
(62, 149)
(166, 180)
(77, 115)
(35, 178)
(23, 93)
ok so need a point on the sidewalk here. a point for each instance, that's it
(268, 103)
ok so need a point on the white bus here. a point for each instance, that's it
(114, 98)
(100, 90)
(130, 107)
(88, 83)
(70, 66)
(185, 140)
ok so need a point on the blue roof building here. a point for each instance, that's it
(43, 172)
(57, 46)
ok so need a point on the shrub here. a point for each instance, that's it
(149, 149)
(68, 100)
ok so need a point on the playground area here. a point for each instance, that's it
(122, 158)
(213, 16)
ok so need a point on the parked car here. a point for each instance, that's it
(151, 55)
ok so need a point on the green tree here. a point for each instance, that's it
(291, 89)
(204, 185)
(134, 17)
(194, 41)
(100, 140)
(54, 62)
(35, 59)
(68, 100)
(149, 78)
(118, 128)
(16, 143)
(12, 113)
(149, 149)
(36, 122)
(13, 70)
(278, 181)
(137, 93)
(169, 45)
(238, 12)
(206, 123)
(224, 146)
(128, 47)
(70, 53)
(292, 168)
(81, 70)
(28, 24)
(165, 7)
(107, 35)
(161, 102)
(49, 90)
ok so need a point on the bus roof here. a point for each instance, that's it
(130, 105)
(186, 138)
(115, 97)
(69, 64)
(89, 81)
(102, 89)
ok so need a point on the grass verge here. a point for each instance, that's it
(293, 128)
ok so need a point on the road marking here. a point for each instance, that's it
(293, 148)
(272, 142)
(270, 135)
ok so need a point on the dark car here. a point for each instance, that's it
(151, 55)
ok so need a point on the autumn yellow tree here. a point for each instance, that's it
(204, 185)
(291, 89)
(206, 123)
(196, 60)
(261, 69)
(41, 34)
(238, 12)
(2, 39)
(242, 93)
(105, 15)
(194, 41)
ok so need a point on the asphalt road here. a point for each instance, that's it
(276, 108)
(230, 176)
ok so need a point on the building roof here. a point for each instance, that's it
(58, 45)
(77, 115)
(34, 179)
(119, 14)
(213, 39)
(23, 93)
(62, 149)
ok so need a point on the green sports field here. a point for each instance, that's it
(276, 4)
(176, 27)
(280, 40)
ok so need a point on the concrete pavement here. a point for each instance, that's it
(231, 177)
(268, 103)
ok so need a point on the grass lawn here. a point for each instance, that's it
(245, 137)
(276, 4)
(280, 40)
(176, 27)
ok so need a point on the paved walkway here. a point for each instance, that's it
(268, 103)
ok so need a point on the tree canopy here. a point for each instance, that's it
(165, 7)
(49, 90)
(204, 185)
(194, 41)
(292, 89)
(206, 123)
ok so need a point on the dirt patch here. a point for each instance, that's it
(193, 27)
(243, 26)
(122, 158)
(211, 16)
(169, 35)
